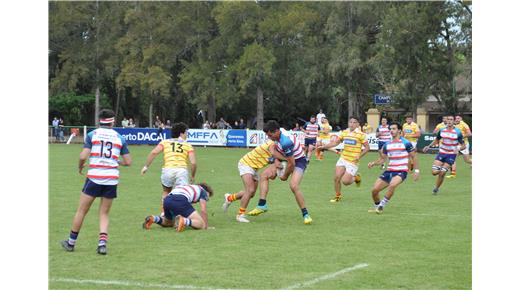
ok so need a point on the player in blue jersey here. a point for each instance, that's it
(399, 151)
(102, 148)
(292, 150)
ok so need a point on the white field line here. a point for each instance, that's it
(133, 284)
(435, 215)
(326, 277)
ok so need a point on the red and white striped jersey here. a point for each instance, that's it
(192, 192)
(449, 139)
(311, 130)
(106, 145)
(398, 153)
(290, 146)
(384, 133)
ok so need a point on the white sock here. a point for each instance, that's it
(384, 201)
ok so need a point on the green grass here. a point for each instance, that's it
(420, 242)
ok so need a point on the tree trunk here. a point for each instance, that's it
(96, 107)
(117, 103)
(259, 109)
(212, 109)
(150, 115)
(351, 106)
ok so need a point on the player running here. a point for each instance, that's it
(176, 153)
(399, 151)
(411, 132)
(292, 151)
(311, 129)
(248, 168)
(383, 135)
(355, 146)
(324, 138)
(440, 126)
(466, 132)
(178, 206)
(103, 147)
(449, 139)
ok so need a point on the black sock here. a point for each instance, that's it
(261, 202)
(304, 211)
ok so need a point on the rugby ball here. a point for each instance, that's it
(281, 169)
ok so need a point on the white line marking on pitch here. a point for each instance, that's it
(326, 277)
(133, 284)
(436, 215)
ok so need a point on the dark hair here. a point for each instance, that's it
(206, 187)
(178, 128)
(384, 118)
(271, 126)
(408, 116)
(312, 116)
(106, 113)
(354, 117)
(399, 126)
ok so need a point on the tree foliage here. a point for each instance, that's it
(284, 60)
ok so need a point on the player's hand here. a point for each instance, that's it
(192, 180)
(81, 169)
(284, 177)
(371, 164)
(425, 149)
(143, 171)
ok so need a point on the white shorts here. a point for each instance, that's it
(465, 151)
(324, 141)
(246, 169)
(414, 144)
(173, 177)
(350, 168)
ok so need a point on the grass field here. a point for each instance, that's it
(420, 242)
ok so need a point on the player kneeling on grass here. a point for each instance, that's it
(178, 210)
(103, 147)
(399, 151)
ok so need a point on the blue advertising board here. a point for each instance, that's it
(236, 138)
(380, 99)
(143, 135)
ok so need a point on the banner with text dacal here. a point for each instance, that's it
(207, 137)
(143, 135)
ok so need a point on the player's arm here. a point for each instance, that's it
(460, 138)
(204, 213)
(275, 153)
(365, 150)
(333, 143)
(378, 133)
(193, 163)
(417, 133)
(155, 151)
(467, 131)
(126, 160)
(83, 156)
(379, 161)
(434, 142)
(290, 168)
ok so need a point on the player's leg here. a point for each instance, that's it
(318, 151)
(165, 219)
(380, 184)
(85, 201)
(294, 184)
(397, 178)
(186, 215)
(250, 186)
(104, 210)
(340, 170)
(268, 173)
(196, 220)
(167, 182)
(311, 149)
(440, 177)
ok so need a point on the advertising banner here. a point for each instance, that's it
(207, 137)
(143, 135)
(236, 138)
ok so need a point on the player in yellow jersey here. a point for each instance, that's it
(466, 132)
(324, 138)
(411, 132)
(440, 126)
(176, 151)
(355, 146)
(248, 167)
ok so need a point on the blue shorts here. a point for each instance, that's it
(300, 163)
(446, 158)
(388, 175)
(176, 204)
(310, 141)
(99, 190)
(380, 144)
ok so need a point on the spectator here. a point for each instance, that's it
(297, 127)
(206, 125)
(61, 129)
(242, 124)
(158, 122)
(367, 128)
(55, 128)
(124, 123)
(320, 116)
(221, 124)
(213, 125)
(131, 123)
(168, 124)
(235, 126)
